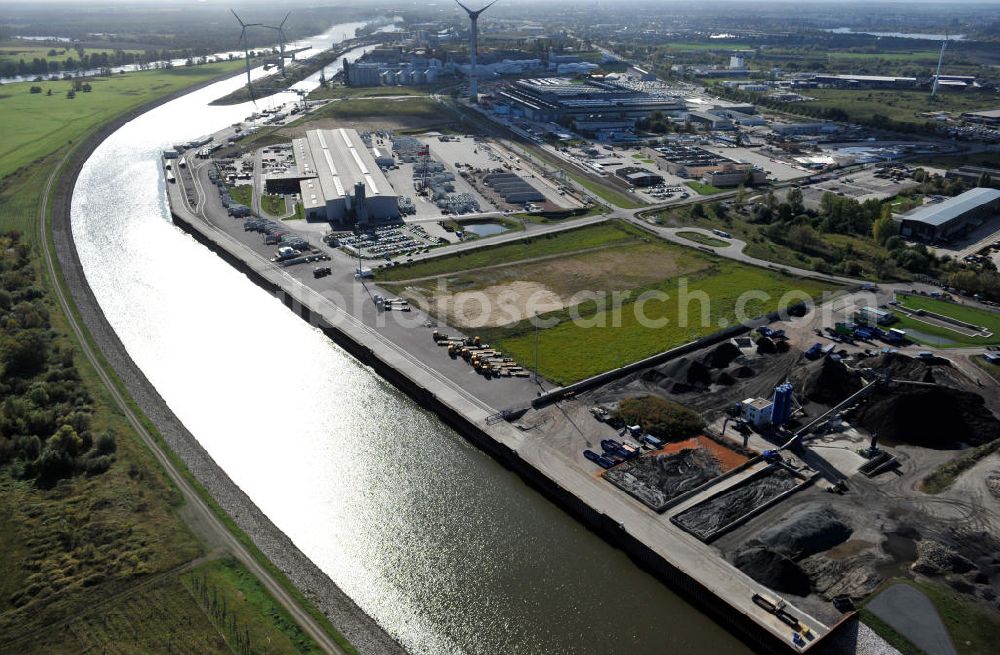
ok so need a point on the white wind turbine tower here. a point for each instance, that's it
(246, 48)
(937, 76)
(474, 48)
(280, 28)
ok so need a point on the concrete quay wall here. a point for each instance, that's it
(500, 441)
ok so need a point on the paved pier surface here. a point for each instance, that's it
(403, 343)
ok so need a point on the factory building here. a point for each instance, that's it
(761, 413)
(341, 182)
(693, 163)
(866, 81)
(712, 120)
(731, 175)
(639, 177)
(562, 100)
(799, 129)
(954, 216)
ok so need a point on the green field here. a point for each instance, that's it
(979, 317)
(36, 124)
(569, 353)
(235, 601)
(704, 189)
(273, 204)
(973, 629)
(898, 105)
(243, 194)
(337, 92)
(373, 108)
(602, 259)
(703, 239)
(16, 51)
(592, 236)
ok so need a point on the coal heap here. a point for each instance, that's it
(773, 570)
(807, 531)
(932, 417)
(829, 382)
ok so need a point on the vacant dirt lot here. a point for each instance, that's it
(500, 295)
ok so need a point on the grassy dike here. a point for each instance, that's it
(179, 611)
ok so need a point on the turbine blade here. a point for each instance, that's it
(488, 6)
(467, 10)
(290, 13)
(237, 17)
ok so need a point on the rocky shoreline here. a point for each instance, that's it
(360, 629)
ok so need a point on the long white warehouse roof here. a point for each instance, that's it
(339, 159)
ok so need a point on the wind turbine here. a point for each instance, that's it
(281, 39)
(246, 48)
(474, 48)
(937, 77)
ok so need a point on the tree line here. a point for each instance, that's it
(45, 417)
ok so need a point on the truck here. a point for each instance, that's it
(894, 336)
(814, 351)
(844, 329)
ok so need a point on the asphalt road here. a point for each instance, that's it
(912, 615)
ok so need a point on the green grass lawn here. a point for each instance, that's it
(337, 92)
(899, 105)
(249, 608)
(273, 204)
(15, 51)
(964, 313)
(703, 239)
(704, 189)
(973, 629)
(36, 124)
(570, 352)
(243, 194)
(592, 236)
(606, 193)
(373, 108)
(989, 367)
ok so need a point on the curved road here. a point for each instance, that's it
(200, 517)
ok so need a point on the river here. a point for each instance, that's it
(446, 549)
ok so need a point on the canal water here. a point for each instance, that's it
(446, 549)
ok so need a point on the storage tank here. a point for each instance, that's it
(782, 409)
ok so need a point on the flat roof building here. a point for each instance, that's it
(639, 176)
(561, 99)
(945, 220)
(340, 180)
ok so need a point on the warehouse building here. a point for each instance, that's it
(866, 81)
(341, 182)
(693, 163)
(731, 175)
(952, 217)
(563, 100)
(639, 177)
(513, 189)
